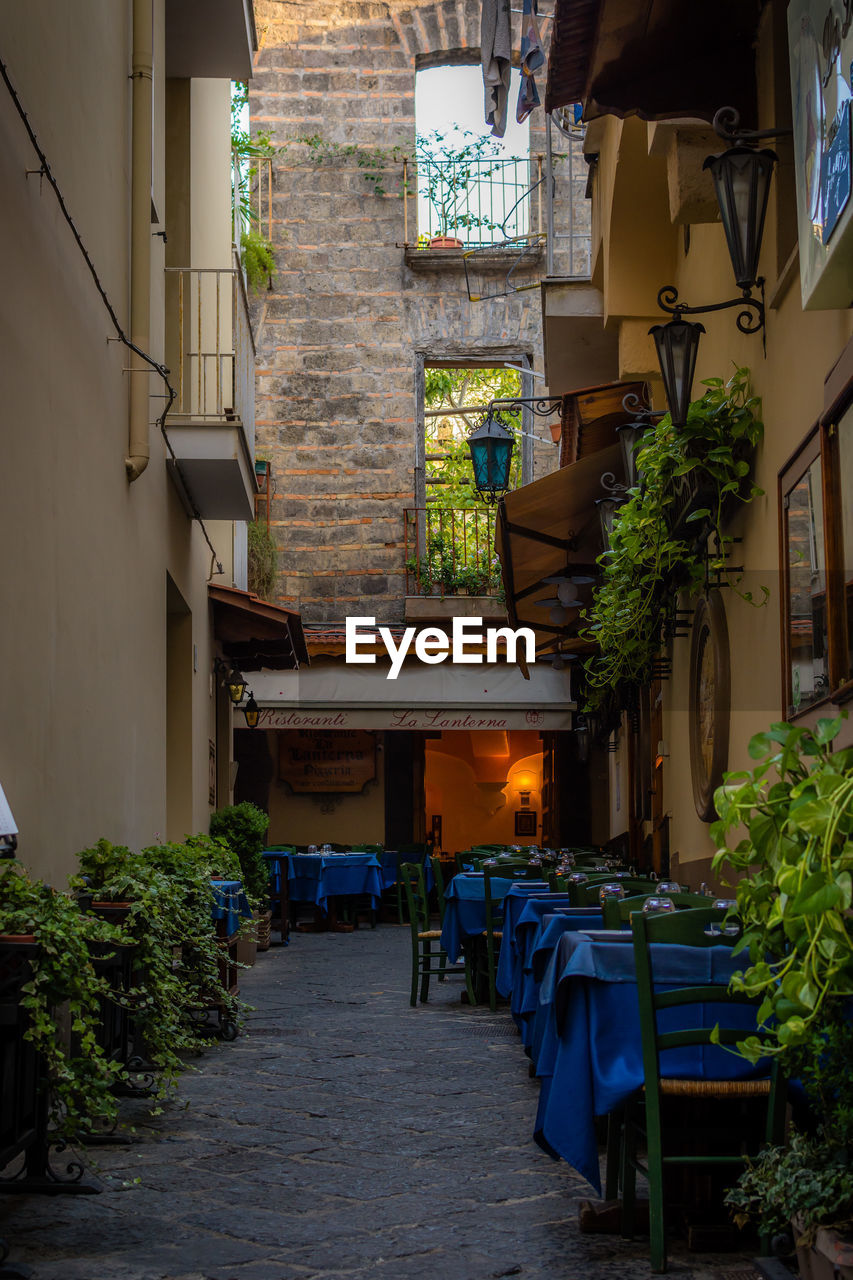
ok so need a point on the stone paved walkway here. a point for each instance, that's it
(345, 1135)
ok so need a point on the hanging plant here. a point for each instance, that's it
(79, 1076)
(690, 478)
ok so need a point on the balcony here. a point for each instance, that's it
(210, 352)
(451, 565)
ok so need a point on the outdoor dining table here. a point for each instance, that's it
(228, 906)
(590, 1061)
(539, 929)
(512, 956)
(389, 864)
(317, 878)
(465, 906)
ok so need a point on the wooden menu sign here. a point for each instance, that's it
(340, 760)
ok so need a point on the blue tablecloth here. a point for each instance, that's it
(312, 877)
(465, 906)
(520, 907)
(538, 940)
(229, 904)
(593, 1063)
(389, 864)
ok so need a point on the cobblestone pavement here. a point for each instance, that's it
(344, 1135)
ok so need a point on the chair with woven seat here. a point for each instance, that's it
(616, 912)
(426, 962)
(662, 1030)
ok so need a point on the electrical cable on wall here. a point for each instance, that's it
(158, 368)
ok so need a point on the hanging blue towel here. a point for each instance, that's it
(532, 57)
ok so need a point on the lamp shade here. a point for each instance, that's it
(677, 344)
(252, 712)
(491, 448)
(607, 508)
(630, 434)
(236, 685)
(741, 177)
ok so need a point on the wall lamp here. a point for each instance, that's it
(233, 680)
(741, 175)
(252, 712)
(492, 443)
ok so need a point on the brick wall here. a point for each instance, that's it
(340, 333)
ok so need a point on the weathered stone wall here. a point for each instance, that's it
(340, 333)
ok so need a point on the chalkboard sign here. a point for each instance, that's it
(835, 174)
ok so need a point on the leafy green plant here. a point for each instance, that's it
(258, 259)
(796, 859)
(177, 955)
(647, 564)
(374, 162)
(79, 1074)
(243, 828)
(448, 176)
(256, 251)
(792, 819)
(262, 555)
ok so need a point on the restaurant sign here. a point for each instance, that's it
(325, 719)
(336, 760)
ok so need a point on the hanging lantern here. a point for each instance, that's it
(741, 177)
(235, 683)
(607, 508)
(677, 344)
(252, 712)
(630, 434)
(491, 448)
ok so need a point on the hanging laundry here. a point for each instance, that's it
(532, 57)
(496, 56)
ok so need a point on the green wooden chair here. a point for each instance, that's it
(644, 1122)
(586, 895)
(616, 912)
(484, 957)
(467, 858)
(426, 961)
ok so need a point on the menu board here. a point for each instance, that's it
(340, 760)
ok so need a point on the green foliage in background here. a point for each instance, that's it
(449, 459)
(262, 560)
(243, 827)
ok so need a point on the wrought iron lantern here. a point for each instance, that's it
(741, 177)
(631, 433)
(677, 344)
(491, 448)
(607, 508)
(252, 712)
(233, 681)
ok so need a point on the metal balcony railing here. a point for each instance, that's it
(210, 347)
(477, 201)
(450, 552)
(251, 194)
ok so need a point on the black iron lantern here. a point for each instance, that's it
(252, 712)
(607, 508)
(630, 434)
(235, 683)
(677, 344)
(491, 448)
(741, 177)
(581, 728)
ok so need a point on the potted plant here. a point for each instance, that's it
(448, 176)
(657, 546)
(59, 941)
(243, 828)
(793, 814)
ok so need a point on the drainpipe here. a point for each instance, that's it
(140, 233)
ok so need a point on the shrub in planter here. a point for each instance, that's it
(796, 860)
(243, 828)
(79, 1075)
(168, 890)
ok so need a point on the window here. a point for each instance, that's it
(472, 188)
(816, 493)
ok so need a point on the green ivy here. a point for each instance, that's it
(80, 1076)
(243, 828)
(262, 555)
(258, 259)
(646, 566)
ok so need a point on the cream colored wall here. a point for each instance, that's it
(801, 349)
(354, 819)
(84, 593)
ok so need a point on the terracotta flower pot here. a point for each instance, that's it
(445, 242)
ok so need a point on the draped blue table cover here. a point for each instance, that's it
(465, 906)
(229, 903)
(590, 1061)
(538, 939)
(312, 877)
(389, 864)
(527, 908)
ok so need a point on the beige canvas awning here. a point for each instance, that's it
(552, 527)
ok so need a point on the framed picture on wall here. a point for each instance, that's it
(525, 822)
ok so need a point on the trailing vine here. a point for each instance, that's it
(650, 560)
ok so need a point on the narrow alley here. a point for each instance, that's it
(345, 1134)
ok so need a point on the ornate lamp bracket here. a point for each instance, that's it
(749, 320)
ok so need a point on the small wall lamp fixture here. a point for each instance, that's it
(492, 443)
(741, 175)
(252, 712)
(232, 679)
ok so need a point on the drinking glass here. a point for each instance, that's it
(614, 890)
(658, 906)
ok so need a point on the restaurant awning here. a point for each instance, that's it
(548, 528)
(654, 58)
(256, 634)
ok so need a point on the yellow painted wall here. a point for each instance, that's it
(343, 819)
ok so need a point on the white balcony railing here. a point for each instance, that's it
(210, 347)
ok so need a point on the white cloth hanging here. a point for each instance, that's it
(496, 55)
